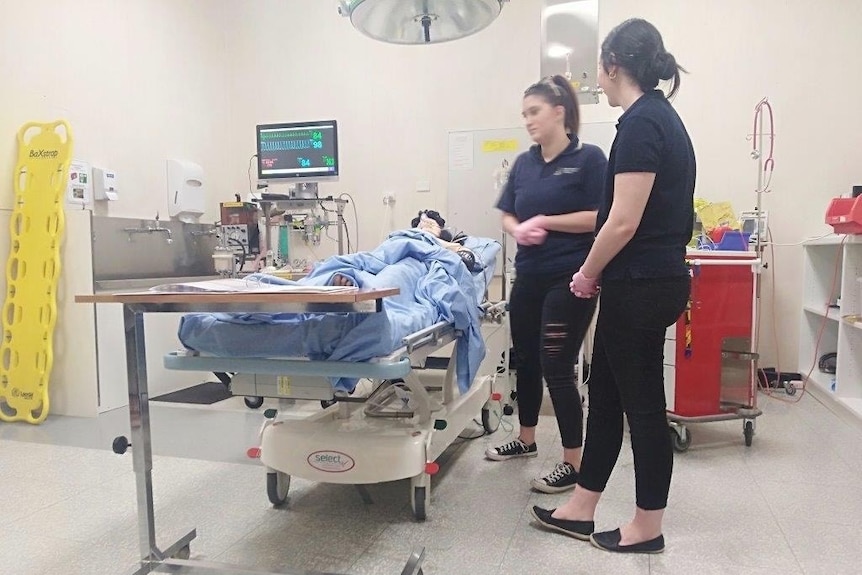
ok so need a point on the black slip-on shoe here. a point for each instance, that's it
(610, 541)
(577, 529)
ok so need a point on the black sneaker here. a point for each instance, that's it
(562, 478)
(516, 448)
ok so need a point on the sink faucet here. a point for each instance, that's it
(145, 229)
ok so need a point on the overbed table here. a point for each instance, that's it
(176, 557)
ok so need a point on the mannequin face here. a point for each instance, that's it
(541, 119)
(426, 224)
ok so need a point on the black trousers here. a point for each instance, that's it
(548, 326)
(626, 376)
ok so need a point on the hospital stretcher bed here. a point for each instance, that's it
(175, 557)
(399, 429)
(395, 432)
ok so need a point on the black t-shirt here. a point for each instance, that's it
(571, 182)
(652, 138)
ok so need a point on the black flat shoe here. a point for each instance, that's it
(577, 529)
(610, 541)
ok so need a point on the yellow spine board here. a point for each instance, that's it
(32, 270)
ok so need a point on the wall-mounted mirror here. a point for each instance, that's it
(570, 44)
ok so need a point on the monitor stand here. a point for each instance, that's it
(305, 191)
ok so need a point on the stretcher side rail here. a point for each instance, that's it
(273, 366)
(413, 353)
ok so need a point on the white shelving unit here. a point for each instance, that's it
(831, 297)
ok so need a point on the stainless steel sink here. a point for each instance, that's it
(141, 284)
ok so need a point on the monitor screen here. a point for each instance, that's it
(306, 150)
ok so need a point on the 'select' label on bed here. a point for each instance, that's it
(331, 461)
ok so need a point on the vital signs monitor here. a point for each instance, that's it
(298, 151)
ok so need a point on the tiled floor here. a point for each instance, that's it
(789, 504)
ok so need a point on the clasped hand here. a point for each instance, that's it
(584, 287)
(530, 232)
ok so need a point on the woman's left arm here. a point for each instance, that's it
(573, 223)
(631, 193)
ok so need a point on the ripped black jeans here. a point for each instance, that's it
(548, 326)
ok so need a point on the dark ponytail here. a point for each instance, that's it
(557, 91)
(637, 47)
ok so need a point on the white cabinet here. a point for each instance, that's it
(831, 306)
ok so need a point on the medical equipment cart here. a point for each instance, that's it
(710, 359)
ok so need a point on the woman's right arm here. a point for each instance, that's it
(510, 222)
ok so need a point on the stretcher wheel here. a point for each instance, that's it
(418, 502)
(680, 445)
(748, 432)
(277, 486)
(253, 402)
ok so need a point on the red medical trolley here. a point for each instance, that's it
(710, 355)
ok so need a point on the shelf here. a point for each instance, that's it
(833, 313)
(854, 403)
(831, 265)
(822, 380)
(830, 240)
(855, 325)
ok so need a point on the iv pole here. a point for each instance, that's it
(762, 166)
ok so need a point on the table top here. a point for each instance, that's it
(208, 298)
(362, 300)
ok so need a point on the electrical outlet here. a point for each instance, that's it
(388, 198)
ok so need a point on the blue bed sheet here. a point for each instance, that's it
(434, 284)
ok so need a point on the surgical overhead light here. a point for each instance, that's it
(420, 21)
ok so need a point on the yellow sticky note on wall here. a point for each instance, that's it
(500, 146)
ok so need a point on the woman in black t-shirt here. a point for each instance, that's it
(644, 224)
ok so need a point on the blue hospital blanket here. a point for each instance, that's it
(434, 285)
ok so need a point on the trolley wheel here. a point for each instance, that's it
(748, 432)
(324, 403)
(277, 486)
(253, 402)
(680, 445)
(508, 410)
(789, 388)
(417, 501)
(486, 421)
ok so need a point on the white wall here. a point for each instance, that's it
(300, 60)
(396, 105)
(805, 57)
(191, 78)
(139, 80)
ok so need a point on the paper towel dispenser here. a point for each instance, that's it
(186, 196)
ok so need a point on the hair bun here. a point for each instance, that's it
(665, 65)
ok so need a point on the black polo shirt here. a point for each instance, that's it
(571, 182)
(652, 138)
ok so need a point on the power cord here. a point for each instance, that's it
(355, 220)
(244, 252)
(250, 187)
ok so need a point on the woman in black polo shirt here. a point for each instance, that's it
(644, 225)
(549, 206)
